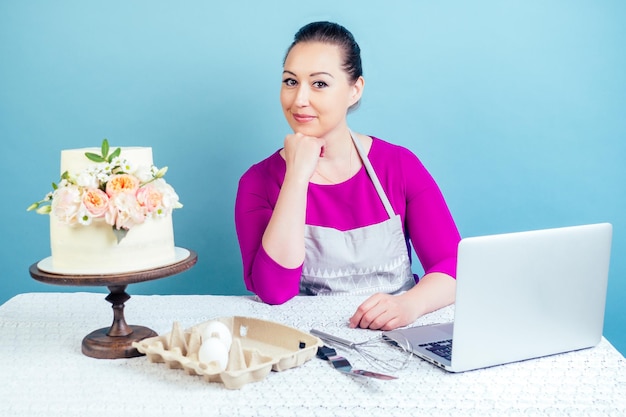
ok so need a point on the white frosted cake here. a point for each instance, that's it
(110, 216)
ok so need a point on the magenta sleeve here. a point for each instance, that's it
(428, 220)
(273, 283)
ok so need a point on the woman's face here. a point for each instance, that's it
(316, 92)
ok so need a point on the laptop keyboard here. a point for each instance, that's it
(442, 348)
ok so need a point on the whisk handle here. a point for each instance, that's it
(332, 339)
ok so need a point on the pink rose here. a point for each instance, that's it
(124, 211)
(169, 197)
(149, 198)
(96, 202)
(65, 204)
(122, 183)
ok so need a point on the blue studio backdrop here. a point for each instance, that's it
(516, 107)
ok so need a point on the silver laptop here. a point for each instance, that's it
(520, 296)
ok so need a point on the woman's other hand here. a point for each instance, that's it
(384, 312)
(387, 312)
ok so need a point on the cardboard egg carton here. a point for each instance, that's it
(258, 347)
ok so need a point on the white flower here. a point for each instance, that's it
(123, 165)
(84, 217)
(144, 173)
(103, 176)
(64, 183)
(87, 179)
(107, 168)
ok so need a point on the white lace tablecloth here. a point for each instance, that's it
(44, 373)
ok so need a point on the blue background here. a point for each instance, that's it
(516, 107)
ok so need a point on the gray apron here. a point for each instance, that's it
(361, 261)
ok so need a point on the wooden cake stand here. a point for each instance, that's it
(116, 341)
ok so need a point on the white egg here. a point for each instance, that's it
(218, 330)
(213, 350)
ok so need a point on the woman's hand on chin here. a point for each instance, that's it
(302, 154)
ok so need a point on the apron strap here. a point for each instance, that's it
(373, 176)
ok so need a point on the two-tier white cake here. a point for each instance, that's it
(112, 215)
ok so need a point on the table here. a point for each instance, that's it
(44, 373)
(116, 341)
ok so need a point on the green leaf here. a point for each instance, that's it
(105, 148)
(94, 157)
(114, 155)
(54, 186)
(119, 233)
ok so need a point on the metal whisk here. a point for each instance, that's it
(376, 351)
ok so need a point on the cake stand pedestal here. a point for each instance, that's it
(116, 341)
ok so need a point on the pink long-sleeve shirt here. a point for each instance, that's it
(412, 191)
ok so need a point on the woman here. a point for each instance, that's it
(333, 211)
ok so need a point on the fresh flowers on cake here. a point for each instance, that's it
(112, 190)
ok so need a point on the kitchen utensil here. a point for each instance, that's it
(343, 365)
(376, 351)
